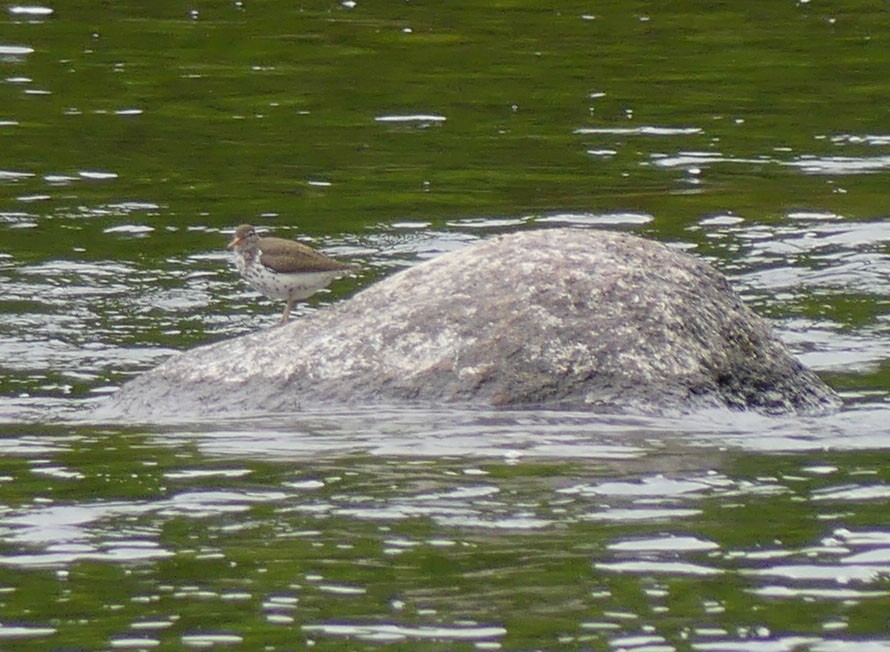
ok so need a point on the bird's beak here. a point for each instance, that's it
(234, 243)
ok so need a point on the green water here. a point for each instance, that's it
(132, 540)
(135, 136)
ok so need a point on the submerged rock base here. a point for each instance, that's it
(575, 317)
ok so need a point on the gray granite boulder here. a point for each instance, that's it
(554, 317)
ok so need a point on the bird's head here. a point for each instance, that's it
(244, 233)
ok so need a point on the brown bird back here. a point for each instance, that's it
(288, 256)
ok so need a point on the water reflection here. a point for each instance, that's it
(647, 130)
(12, 52)
(657, 542)
(31, 11)
(388, 633)
(807, 164)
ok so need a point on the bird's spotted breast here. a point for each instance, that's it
(290, 287)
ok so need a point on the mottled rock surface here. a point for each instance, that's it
(551, 317)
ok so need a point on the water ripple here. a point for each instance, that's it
(385, 632)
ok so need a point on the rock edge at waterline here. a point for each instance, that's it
(554, 317)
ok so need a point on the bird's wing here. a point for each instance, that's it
(289, 256)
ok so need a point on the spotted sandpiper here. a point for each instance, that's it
(283, 269)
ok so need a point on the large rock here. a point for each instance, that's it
(548, 317)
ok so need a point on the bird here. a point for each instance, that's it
(283, 269)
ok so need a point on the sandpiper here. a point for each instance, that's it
(283, 269)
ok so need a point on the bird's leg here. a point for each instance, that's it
(287, 309)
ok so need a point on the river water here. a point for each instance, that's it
(133, 139)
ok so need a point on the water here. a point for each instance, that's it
(133, 139)
(517, 529)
